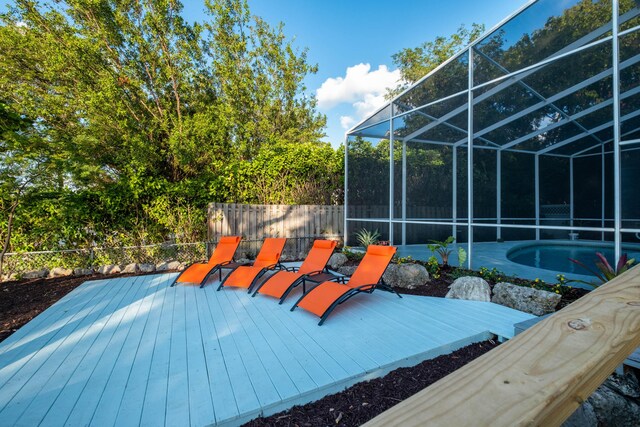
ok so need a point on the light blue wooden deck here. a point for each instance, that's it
(132, 351)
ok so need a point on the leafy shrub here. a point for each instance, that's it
(351, 255)
(492, 275)
(366, 237)
(433, 267)
(605, 271)
(442, 248)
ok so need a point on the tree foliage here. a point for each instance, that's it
(135, 119)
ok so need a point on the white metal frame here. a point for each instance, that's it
(595, 38)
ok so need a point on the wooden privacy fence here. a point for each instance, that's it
(542, 375)
(299, 223)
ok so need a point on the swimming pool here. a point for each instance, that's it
(555, 256)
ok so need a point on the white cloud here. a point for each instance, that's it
(347, 122)
(362, 88)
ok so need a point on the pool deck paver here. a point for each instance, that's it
(134, 351)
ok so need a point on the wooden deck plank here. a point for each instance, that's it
(275, 351)
(241, 381)
(109, 403)
(155, 397)
(57, 397)
(224, 402)
(130, 410)
(22, 351)
(264, 387)
(177, 412)
(157, 355)
(292, 353)
(44, 361)
(200, 402)
(87, 402)
(69, 302)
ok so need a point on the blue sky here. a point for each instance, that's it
(352, 42)
(343, 34)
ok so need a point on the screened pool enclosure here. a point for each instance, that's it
(530, 133)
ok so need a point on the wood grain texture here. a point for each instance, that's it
(541, 376)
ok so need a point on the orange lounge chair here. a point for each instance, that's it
(245, 276)
(314, 269)
(198, 272)
(322, 299)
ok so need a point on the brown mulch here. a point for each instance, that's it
(363, 401)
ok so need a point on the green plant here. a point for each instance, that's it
(442, 248)
(492, 275)
(403, 260)
(433, 267)
(605, 271)
(462, 256)
(351, 255)
(366, 237)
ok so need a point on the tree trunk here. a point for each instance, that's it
(7, 240)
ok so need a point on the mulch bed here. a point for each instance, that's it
(363, 401)
(440, 286)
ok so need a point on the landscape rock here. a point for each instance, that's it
(470, 288)
(409, 276)
(82, 271)
(613, 409)
(162, 266)
(243, 261)
(337, 260)
(147, 268)
(584, 416)
(614, 403)
(109, 269)
(175, 265)
(626, 385)
(529, 300)
(60, 272)
(131, 268)
(347, 270)
(9, 277)
(36, 274)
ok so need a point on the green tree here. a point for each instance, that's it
(415, 63)
(142, 118)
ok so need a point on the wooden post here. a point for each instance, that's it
(540, 377)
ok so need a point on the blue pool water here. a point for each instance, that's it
(556, 257)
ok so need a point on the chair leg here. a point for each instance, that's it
(290, 288)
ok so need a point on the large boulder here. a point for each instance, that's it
(470, 288)
(82, 271)
(147, 268)
(409, 276)
(131, 268)
(109, 269)
(614, 403)
(337, 260)
(529, 300)
(60, 272)
(613, 408)
(36, 274)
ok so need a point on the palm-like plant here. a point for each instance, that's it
(442, 248)
(605, 271)
(366, 237)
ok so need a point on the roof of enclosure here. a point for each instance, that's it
(542, 82)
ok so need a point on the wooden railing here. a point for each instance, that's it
(541, 376)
